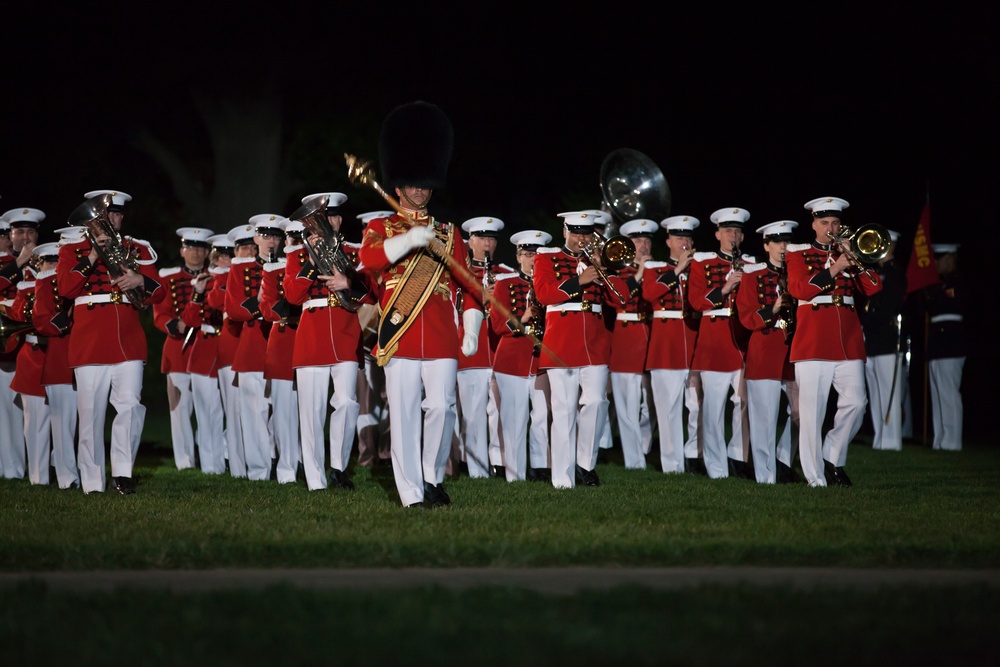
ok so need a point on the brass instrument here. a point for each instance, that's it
(868, 245)
(9, 328)
(614, 253)
(93, 215)
(327, 254)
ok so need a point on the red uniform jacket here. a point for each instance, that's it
(575, 334)
(52, 317)
(284, 319)
(630, 338)
(722, 339)
(106, 332)
(827, 331)
(671, 339)
(488, 340)
(167, 316)
(328, 333)
(229, 334)
(767, 353)
(516, 352)
(31, 357)
(203, 352)
(243, 305)
(10, 276)
(434, 331)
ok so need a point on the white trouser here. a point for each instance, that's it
(412, 464)
(815, 379)
(314, 390)
(95, 386)
(516, 404)
(372, 422)
(579, 407)
(208, 411)
(285, 424)
(669, 390)
(181, 430)
(716, 386)
(604, 439)
(493, 421)
(235, 452)
(473, 398)
(692, 401)
(258, 441)
(881, 385)
(627, 391)
(62, 416)
(12, 451)
(946, 402)
(538, 431)
(37, 438)
(763, 403)
(647, 413)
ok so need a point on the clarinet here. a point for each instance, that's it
(788, 313)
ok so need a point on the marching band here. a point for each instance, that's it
(268, 349)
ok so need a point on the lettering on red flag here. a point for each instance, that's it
(922, 270)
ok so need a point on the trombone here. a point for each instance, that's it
(868, 245)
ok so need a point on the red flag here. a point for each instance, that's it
(922, 269)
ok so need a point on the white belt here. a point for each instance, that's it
(951, 317)
(628, 317)
(93, 298)
(209, 329)
(317, 303)
(669, 314)
(836, 300)
(31, 339)
(591, 307)
(718, 312)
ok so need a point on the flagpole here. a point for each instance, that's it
(927, 329)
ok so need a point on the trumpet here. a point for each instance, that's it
(9, 328)
(868, 245)
(93, 215)
(614, 253)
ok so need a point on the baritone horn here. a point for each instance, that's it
(868, 245)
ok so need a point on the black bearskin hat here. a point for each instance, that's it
(415, 146)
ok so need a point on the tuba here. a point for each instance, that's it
(868, 245)
(327, 254)
(93, 215)
(9, 328)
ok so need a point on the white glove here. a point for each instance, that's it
(400, 246)
(471, 320)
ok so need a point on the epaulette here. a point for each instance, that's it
(704, 256)
(218, 270)
(753, 268)
(355, 246)
(47, 273)
(748, 259)
(26, 285)
(546, 251)
(275, 266)
(797, 247)
(243, 260)
(169, 272)
(4, 253)
(655, 265)
(506, 276)
(289, 249)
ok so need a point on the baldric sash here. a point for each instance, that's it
(415, 286)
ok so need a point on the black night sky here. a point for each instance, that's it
(762, 107)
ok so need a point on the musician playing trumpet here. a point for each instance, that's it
(673, 331)
(765, 308)
(328, 352)
(574, 288)
(721, 346)
(828, 349)
(108, 348)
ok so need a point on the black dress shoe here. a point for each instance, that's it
(539, 475)
(498, 471)
(435, 496)
(835, 475)
(784, 474)
(739, 469)
(274, 470)
(123, 485)
(694, 466)
(587, 477)
(339, 479)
